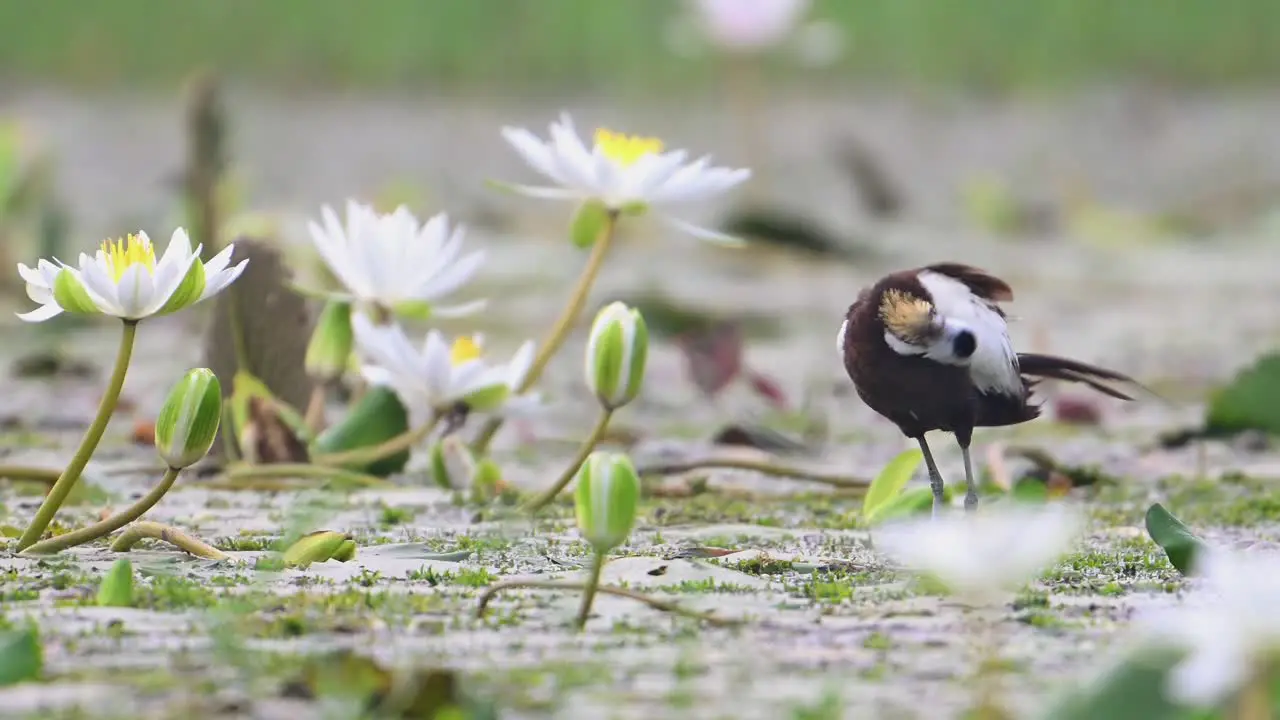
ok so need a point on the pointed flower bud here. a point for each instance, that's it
(617, 350)
(606, 497)
(452, 465)
(329, 351)
(188, 420)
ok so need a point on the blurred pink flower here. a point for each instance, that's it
(749, 24)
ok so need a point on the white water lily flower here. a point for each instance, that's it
(626, 173)
(983, 554)
(394, 262)
(124, 279)
(1229, 634)
(749, 24)
(438, 375)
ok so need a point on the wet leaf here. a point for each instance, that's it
(1179, 543)
(1133, 689)
(889, 483)
(116, 589)
(377, 417)
(1251, 401)
(261, 323)
(21, 656)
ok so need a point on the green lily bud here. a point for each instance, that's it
(606, 496)
(617, 350)
(452, 465)
(188, 420)
(329, 351)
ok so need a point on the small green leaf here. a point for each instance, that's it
(1179, 543)
(891, 480)
(116, 589)
(21, 656)
(1251, 401)
(913, 501)
(376, 418)
(1133, 689)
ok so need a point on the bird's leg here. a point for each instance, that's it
(935, 477)
(971, 485)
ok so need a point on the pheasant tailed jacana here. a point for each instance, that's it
(928, 349)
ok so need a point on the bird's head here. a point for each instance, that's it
(915, 323)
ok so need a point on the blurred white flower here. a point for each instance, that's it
(983, 554)
(626, 173)
(749, 24)
(1229, 633)
(124, 279)
(439, 375)
(394, 262)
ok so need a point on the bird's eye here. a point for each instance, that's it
(964, 343)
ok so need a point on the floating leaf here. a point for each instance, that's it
(21, 656)
(891, 480)
(377, 417)
(1251, 401)
(319, 546)
(116, 589)
(1179, 543)
(1132, 689)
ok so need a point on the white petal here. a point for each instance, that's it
(452, 277)
(134, 292)
(40, 294)
(33, 276)
(547, 193)
(99, 287)
(40, 314)
(214, 284)
(702, 233)
(1208, 676)
(460, 310)
(533, 151)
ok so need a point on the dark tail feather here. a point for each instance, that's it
(1057, 368)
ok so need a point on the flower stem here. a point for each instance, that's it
(387, 448)
(103, 528)
(67, 480)
(560, 330)
(845, 482)
(587, 446)
(589, 590)
(146, 529)
(314, 418)
(655, 603)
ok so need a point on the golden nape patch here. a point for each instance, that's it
(905, 315)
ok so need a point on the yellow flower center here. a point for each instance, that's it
(626, 149)
(464, 349)
(132, 250)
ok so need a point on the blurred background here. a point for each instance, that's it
(1117, 162)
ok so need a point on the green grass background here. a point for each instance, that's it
(533, 45)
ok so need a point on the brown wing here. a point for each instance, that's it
(979, 282)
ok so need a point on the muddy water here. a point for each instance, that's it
(1182, 314)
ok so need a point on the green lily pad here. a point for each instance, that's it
(377, 417)
(21, 656)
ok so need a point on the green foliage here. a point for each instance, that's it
(1251, 401)
(448, 44)
(21, 656)
(1179, 543)
(888, 485)
(377, 417)
(116, 589)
